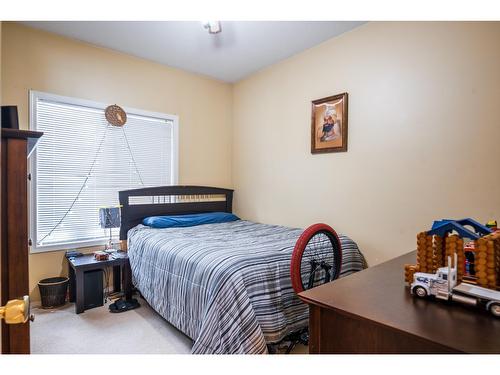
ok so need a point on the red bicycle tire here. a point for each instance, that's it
(298, 252)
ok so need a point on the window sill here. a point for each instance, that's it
(70, 246)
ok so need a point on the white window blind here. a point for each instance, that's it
(82, 162)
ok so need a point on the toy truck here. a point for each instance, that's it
(443, 285)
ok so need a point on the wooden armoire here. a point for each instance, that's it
(15, 149)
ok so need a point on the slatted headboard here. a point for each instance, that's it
(170, 200)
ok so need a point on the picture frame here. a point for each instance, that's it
(329, 120)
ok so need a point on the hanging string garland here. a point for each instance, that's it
(115, 116)
(132, 156)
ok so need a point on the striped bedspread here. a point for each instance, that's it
(227, 286)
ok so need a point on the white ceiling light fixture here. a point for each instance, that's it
(213, 27)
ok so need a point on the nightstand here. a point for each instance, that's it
(85, 263)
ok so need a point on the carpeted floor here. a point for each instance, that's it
(97, 331)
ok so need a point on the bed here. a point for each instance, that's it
(227, 285)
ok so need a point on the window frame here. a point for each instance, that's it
(33, 97)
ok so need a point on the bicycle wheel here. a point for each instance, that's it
(316, 258)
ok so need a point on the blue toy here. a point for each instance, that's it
(443, 227)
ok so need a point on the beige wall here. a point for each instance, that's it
(42, 61)
(424, 109)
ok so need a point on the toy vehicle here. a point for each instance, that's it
(443, 285)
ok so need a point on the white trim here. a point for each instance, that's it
(36, 95)
(66, 246)
(99, 105)
(175, 150)
(32, 172)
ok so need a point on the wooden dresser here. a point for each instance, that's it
(372, 311)
(15, 149)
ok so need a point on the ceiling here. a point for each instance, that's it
(242, 48)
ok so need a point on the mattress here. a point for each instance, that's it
(227, 286)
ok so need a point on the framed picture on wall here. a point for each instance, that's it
(329, 124)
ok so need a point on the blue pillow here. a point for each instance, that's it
(177, 221)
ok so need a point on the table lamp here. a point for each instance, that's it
(109, 217)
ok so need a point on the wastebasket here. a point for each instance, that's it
(53, 291)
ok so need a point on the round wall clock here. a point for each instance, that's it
(115, 115)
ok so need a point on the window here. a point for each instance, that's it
(82, 162)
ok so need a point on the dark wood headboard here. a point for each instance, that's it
(170, 200)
